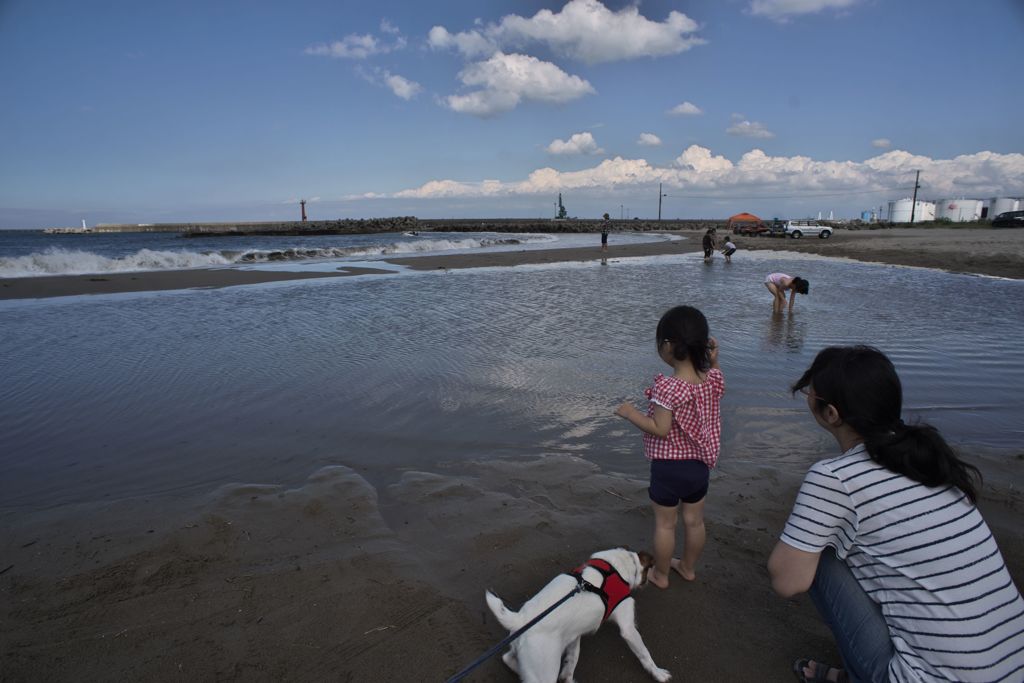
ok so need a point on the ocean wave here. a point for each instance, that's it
(412, 247)
(57, 261)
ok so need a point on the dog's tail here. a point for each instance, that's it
(507, 618)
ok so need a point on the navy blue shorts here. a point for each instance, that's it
(673, 481)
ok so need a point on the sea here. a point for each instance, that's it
(108, 397)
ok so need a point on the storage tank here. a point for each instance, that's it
(998, 205)
(958, 210)
(899, 211)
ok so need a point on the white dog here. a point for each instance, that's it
(548, 650)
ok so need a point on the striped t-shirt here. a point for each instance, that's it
(926, 556)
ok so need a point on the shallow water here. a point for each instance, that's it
(106, 397)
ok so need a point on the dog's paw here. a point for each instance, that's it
(661, 675)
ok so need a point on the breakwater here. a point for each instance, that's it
(351, 226)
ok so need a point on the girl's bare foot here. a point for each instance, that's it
(677, 566)
(657, 578)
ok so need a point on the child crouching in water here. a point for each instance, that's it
(682, 432)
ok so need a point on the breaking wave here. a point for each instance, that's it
(56, 261)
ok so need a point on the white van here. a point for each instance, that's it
(797, 229)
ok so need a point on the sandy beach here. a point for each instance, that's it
(366, 574)
(982, 251)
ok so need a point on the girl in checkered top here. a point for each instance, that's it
(681, 433)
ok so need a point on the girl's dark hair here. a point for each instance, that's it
(801, 285)
(687, 329)
(862, 384)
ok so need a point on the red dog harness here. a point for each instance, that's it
(612, 591)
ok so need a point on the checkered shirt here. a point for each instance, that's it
(696, 419)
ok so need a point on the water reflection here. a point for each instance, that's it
(268, 383)
(785, 332)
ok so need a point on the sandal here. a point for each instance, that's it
(820, 672)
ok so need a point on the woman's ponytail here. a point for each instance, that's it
(862, 384)
(920, 453)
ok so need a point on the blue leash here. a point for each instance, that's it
(515, 634)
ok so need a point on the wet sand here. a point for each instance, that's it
(341, 579)
(153, 281)
(982, 251)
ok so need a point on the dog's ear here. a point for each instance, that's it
(646, 559)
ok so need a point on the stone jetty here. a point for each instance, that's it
(354, 226)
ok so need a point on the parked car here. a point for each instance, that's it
(797, 229)
(777, 229)
(1009, 219)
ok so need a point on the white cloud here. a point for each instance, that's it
(685, 109)
(698, 169)
(579, 143)
(399, 85)
(356, 46)
(506, 80)
(402, 87)
(881, 143)
(365, 195)
(781, 10)
(350, 47)
(584, 30)
(648, 140)
(748, 129)
(470, 43)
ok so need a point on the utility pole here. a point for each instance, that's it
(913, 205)
(660, 195)
(621, 213)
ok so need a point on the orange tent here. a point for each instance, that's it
(743, 218)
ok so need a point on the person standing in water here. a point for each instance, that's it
(779, 283)
(682, 436)
(888, 542)
(708, 244)
(605, 223)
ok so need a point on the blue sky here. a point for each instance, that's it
(151, 112)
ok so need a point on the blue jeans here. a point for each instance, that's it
(855, 620)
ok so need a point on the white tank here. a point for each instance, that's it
(958, 210)
(899, 211)
(998, 205)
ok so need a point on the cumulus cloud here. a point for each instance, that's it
(470, 43)
(881, 143)
(579, 143)
(505, 80)
(400, 86)
(356, 46)
(584, 30)
(685, 109)
(781, 10)
(648, 140)
(748, 129)
(697, 168)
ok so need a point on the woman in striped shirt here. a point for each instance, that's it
(887, 540)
